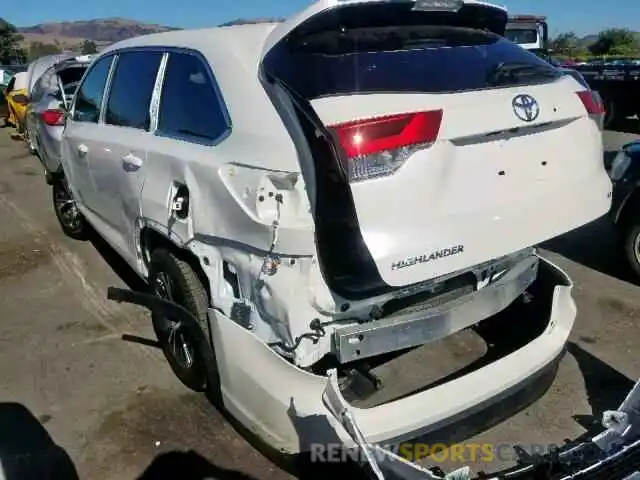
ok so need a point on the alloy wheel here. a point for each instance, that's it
(177, 339)
(66, 206)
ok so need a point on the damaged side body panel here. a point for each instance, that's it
(268, 278)
(275, 294)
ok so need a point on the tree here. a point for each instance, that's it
(40, 49)
(89, 47)
(567, 44)
(10, 50)
(615, 41)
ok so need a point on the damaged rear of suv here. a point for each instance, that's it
(381, 172)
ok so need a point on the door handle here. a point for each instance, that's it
(131, 163)
(82, 150)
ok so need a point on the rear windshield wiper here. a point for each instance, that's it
(506, 73)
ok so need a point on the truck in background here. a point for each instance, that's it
(531, 32)
(617, 81)
(619, 86)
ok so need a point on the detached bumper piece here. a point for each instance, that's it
(614, 454)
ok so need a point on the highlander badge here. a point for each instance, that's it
(427, 257)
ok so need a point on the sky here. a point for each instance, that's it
(581, 16)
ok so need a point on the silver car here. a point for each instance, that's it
(51, 95)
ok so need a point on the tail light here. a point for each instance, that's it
(53, 118)
(592, 102)
(377, 147)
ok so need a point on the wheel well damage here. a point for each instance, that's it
(151, 239)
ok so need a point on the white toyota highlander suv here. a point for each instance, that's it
(340, 192)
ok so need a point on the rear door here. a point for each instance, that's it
(118, 171)
(447, 133)
(82, 138)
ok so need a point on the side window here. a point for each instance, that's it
(132, 88)
(90, 93)
(36, 93)
(189, 104)
(45, 85)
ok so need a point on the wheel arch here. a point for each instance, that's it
(151, 239)
(629, 206)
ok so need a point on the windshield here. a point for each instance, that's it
(423, 59)
(522, 36)
(16, 68)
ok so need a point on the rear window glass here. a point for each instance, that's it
(71, 75)
(411, 58)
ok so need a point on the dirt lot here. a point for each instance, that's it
(114, 405)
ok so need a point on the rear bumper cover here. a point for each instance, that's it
(285, 406)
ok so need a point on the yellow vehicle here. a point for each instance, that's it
(17, 95)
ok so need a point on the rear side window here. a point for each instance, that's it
(132, 88)
(402, 58)
(38, 90)
(190, 107)
(91, 92)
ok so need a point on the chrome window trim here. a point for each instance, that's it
(168, 50)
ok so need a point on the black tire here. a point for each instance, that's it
(71, 220)
(30, 144)
(631, 243)
(610, 113)
(189, 350)
(48, 178)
